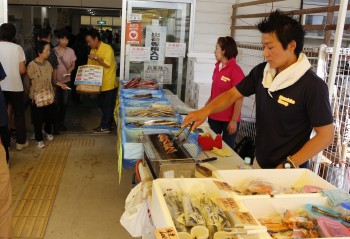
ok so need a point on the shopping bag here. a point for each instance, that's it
(136, 219)
(43, 98)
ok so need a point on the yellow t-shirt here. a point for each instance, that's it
(106, 53)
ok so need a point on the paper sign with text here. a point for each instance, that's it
(89, 75)
(174, 49)
(155, 39)
(224, 186)
(133, 33)
(228, 204)
(139, 53)
(135, 17)
(160, 72)
(166, 233)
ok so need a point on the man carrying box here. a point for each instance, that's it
(102, 54)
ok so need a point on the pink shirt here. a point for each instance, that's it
(64, 64)
(223, 80)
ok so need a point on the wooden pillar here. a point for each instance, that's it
(233, 21)
(329, 21)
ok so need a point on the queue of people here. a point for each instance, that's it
(42, 77)
(32, 74)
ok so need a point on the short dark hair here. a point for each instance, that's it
(44, 33)
(228, 44)
(7, 32)
(93, 33)
(286, 29)
(39, 46)
(63, 33)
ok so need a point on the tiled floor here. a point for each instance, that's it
(89, 200)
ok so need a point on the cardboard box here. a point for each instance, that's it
(278, 177)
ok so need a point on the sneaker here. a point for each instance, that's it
(22, 146)
(100, 130)
(40, 144)
(49, 137)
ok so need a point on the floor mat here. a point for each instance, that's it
(33, 208)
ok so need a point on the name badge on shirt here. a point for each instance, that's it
(285, 101)
(224, 78)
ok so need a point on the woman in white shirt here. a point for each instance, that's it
(13, 60)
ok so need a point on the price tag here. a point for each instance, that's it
(224, 186)
(244, 219)
(228, 204)
(166, 233)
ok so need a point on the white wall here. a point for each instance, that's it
(213, 19)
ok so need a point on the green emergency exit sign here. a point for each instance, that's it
(101, 22)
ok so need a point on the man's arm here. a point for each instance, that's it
(22, 67)
(219, 104)
(324, 137)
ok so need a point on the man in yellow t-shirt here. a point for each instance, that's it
(102, 54)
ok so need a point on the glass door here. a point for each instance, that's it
(155, 42)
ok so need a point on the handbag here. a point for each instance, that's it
(43, 98)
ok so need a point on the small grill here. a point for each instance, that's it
(182, 162)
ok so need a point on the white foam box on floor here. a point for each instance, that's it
(279, 177)
(161, 216)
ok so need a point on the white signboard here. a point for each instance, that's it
(174, 49)
(139, 53)
(89, 75)
(134, 17)
(161, 72)
(155, 39)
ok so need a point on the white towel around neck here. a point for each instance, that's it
(287, 77)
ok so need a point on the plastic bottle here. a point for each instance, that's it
(246, 164)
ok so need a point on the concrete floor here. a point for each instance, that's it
(89, 201)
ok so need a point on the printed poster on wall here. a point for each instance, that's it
(135, 17)
(133, 33)
(161, 72)
(155, 39)
(175, 49)
(139, 53)
(89, 75)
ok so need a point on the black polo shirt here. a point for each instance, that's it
(284, 121)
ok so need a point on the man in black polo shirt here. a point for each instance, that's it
(291, 100)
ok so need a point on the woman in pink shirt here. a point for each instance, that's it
(226, 75)
(66, 63)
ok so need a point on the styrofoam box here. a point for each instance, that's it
(132, 147)
(194, 186)
(278, 177)
(265, 207)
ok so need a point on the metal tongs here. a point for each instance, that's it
(187, 134)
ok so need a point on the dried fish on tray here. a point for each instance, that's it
(155, 112)
(146, 96)
(167, 123)
(139, 83)
(165, 147)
